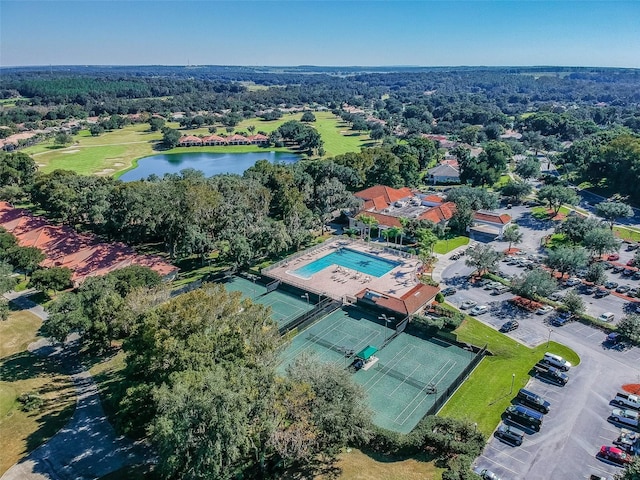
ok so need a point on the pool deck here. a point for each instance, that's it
(342, 282)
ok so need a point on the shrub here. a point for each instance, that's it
(30, 401)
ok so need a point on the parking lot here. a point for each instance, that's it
(577, 426)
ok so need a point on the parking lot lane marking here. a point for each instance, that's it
(500, 465)
(599, 468)
(503, 453)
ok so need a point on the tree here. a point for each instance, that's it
(475, 198)
(516, 190)
(528, 168)
(483, 257)
(631, 470)
(156, 124)
(601, 241)
(96, 129)
(573, 302)
(612, 211)
(556, 196)
(512, 234)
(575, 227)
(567, 259)
(534, 282)
(25, 258)
(369, 224)
(338, 406)
(596, 274)
(62, 138)
(170, 137)
(462, 218)
(308, 117)
(7, 280)
(54, 278)
(629, 326)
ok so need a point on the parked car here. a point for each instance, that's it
(508, 434)
(572, 282)
(555, 296)
(627, 272)
(589, 289)
(636, 275)
(631, 263)
(492, 285)
(556, 361)
(532, 400)
(602, 292)
(455, 256)
(551, 374)
(500, 290)
(617, 268)
(524, 416)
(448, 291)
(631, 247)
(613, 257)
(607, 317)
(544, 310)
(561, 319)
(626, 417)
(467, 304)
(509, 326)
(613, 339)
(614, 455)
(483, 282)
(488, 475)
(611, 285)
(607, 265)
(479, 310)
(623, 288)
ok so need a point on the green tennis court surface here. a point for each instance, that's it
(398, 385)
(284, 306)
(408, 367)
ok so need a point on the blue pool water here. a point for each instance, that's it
(362, 262)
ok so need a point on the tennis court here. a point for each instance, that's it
(407, 378)
(284, 306)
(331, 338)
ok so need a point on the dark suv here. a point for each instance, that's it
(524, 416)
(532, 400)
(511, 435)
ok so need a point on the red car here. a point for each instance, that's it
(613, 257)
(631, 263)
(615, 455)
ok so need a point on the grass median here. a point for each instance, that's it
(489, 389)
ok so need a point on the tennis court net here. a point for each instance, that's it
(390, 371)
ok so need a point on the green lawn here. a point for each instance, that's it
(627, 233)
(22, 372)
(114, 152)
(484, 396)
(445, 246)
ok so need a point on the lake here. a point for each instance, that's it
(207, 162)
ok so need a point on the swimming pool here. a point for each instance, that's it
(345, 257)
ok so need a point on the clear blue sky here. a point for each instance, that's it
(429, 33)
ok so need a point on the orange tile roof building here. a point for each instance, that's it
(82, 253)
(388, 205)
(408, 304)
(493, 221)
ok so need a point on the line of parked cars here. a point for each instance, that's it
(627, 445)
(527, 412)
(552, 369)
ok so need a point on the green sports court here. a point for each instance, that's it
(285, 306)
(409, 375)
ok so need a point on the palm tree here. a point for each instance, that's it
(386, 233)
(370, 223)
(394, 232)
(512, 234)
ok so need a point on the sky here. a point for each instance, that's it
(335, 33)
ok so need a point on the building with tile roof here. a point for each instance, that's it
(408, 304)
(84, 254)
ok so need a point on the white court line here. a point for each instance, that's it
(380, 374)
(599, 468)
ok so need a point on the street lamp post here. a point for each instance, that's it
(386, 322)
(549, 337)
(305, 295)
(513, 379)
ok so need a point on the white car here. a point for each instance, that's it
(627, 417)
(468, 304)
(573, 281)
(544, 310)
(479, 310)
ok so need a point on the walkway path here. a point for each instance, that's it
(88, 446)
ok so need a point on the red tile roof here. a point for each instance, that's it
(214, 138)
(382, 219)
(388, 194)
(440, 213)
(433, 199)
(258, 137)
(407, 304)
(190, 139)
(236, 138)
(492, 217)
(64, 247)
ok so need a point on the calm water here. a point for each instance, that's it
(209, 163)
(362, 262)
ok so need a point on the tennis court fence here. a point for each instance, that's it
(444, 396)
(321, 309)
